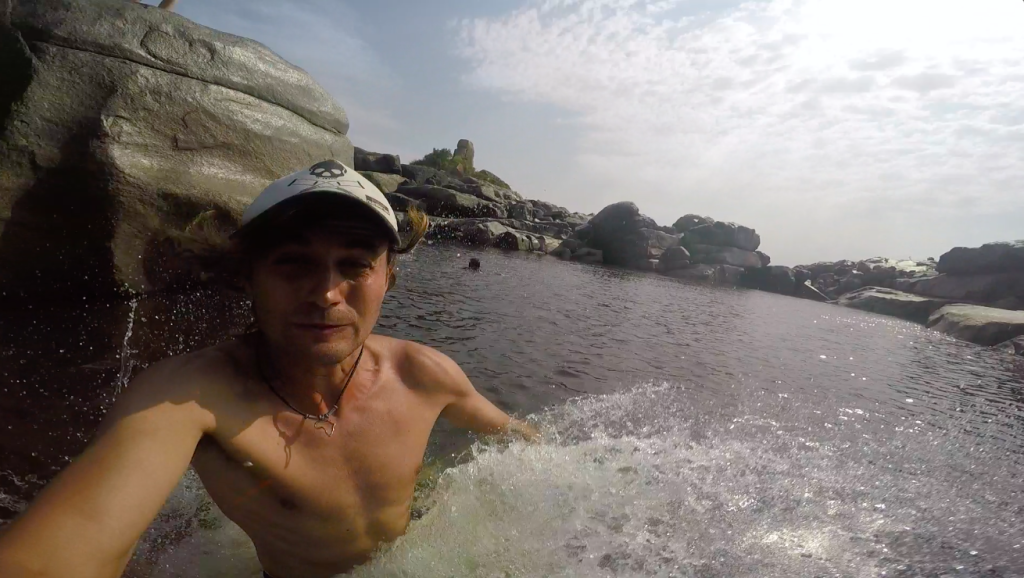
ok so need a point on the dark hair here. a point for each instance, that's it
(215, 255)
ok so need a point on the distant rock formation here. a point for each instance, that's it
(120, 121)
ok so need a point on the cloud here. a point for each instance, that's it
(866, 124)
(925, 81)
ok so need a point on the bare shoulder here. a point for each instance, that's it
(424, 368)
(193, 382)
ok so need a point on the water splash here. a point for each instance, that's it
(645, 483)
(127, 362)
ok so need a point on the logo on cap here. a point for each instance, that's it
(329, 169)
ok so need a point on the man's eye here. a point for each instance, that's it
(354, 265)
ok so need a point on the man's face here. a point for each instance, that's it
(318, 298)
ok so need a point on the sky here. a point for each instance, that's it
(837, 129)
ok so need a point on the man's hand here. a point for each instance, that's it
(86, 522)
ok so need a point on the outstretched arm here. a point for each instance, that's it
(86, 522)
(464, 407)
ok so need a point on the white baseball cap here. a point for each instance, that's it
(328, 176)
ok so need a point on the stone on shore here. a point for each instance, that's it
(386, 182)
(520, 241)
(121, 122)
(674, 258)
(687, 222)
(402, 203)
(617, 231)
(806, 291)
(717, 255)
(365, 160)
(723, 234)
(773, 278)
(977, 324)
(892, 302)
(990, 258)
(986, 289)
(444, 202)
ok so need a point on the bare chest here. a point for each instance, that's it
(278, 471)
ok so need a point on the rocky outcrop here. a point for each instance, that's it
(443, 202)
(983, 289)
(990, 258)
(120, 122)
(687, 222)
(376, 162)
(672, 259)
(806, 291)
(977, 324)
(836, 278)
(386, 182)
(714, 255)
(891, 302)
(465, 151)
(723, 234)
(617, 231)
(773, 278)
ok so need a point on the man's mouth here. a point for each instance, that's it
(319, 327)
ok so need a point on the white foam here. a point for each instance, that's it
(646, 483)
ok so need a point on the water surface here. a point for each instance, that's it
(692, 431)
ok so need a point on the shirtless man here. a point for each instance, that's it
(307, 433)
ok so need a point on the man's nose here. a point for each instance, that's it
(330, 287)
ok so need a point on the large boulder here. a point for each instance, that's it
(486, 233)
(520, 211)
(120, 122)
(773, 278)
(977, 324)
(987, 259)
(658, 242)
(421, 175)
(492, 178)
(687, 222)
(892, 302)
(386, 182)
(716, 255)
(403, 203)
(723, 234)
(520, 241)
(444, 202)
(546, 209)
(485, 191)
(617, 231)
(985, 289)
(674, 258)
(376, 162)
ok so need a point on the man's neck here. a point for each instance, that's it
(312, 385)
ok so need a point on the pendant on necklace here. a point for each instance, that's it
(318, 424)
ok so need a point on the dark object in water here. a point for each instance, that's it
(474, 264)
